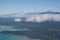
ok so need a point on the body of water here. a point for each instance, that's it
(14, 37)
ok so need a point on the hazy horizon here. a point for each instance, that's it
(28, 6)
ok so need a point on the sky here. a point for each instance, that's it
(28, 6)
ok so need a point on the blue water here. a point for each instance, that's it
(13, 37)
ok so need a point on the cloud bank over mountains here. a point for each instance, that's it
(43, 17)
(28, 17)
(36, 17)
(39, 18)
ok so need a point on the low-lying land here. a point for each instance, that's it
(45, 35)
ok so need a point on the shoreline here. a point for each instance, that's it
(31, 38)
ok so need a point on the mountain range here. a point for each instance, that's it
(34, 17)
(42, 25)
(34, 21)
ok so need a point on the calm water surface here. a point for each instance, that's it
(13, 37)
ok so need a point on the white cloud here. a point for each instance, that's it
(44, 17)
(38, 17)
(17, 19)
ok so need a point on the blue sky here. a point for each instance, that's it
(28, 6)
